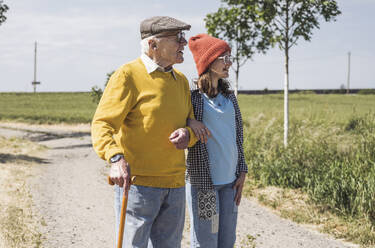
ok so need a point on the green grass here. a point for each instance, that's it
(325, 108)
(330, 154)
(47, 107)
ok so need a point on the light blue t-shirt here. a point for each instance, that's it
(219, 118)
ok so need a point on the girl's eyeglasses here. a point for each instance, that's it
(228, 59)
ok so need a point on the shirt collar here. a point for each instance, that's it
(151, 66)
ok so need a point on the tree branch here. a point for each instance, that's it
(244, 61)
(280, 23)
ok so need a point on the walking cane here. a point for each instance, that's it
(123, 214)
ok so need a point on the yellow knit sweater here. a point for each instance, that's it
(135, 117)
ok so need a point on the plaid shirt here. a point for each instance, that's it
(198, 167)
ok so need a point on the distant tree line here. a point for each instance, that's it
(309, 91)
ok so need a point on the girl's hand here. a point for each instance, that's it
(199, 129)
(239, 186)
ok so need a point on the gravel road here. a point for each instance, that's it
(72, 196)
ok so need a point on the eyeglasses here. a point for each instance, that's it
(180, 36)
(228, 59)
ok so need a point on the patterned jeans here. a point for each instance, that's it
(220, 231)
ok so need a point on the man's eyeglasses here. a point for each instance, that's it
(180, 36)
(228, 59)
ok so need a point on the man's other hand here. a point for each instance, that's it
(180, 138)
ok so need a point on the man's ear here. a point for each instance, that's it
(152, 44)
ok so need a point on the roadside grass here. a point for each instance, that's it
(247, 242)
(18, 224)
(329, 162)
(294, 204)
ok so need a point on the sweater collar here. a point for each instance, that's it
(151, 66)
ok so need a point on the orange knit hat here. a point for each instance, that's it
(206, 49)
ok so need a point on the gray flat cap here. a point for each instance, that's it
(158, 24)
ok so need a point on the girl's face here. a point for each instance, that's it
(220, 66)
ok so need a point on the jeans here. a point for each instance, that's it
(220, 232)
(154, 217)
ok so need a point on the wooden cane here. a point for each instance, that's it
(122, 218)
(123, 213)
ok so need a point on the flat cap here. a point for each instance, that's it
(158, 24)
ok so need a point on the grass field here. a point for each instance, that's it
(78, 107)
(47, 107)
(330, 157)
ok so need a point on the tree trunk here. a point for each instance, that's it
(237, 71)
(236, 84)
(286, 102)
(286, 82)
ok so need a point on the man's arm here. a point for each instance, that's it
(113, 108)
(115, 104)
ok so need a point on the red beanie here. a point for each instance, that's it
(206, 49)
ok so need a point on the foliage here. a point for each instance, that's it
(333, 161)
(238, 23)
(289, 20)
(330, 155)
(367, 92)
(96, 92)
(3, 8)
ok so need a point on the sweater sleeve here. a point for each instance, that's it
(193, 138)
(115, 104)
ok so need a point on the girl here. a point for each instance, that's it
(216, 169)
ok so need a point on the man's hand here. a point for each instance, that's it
(180, 138)
(199, 129)
(239, 186)
(120, 174)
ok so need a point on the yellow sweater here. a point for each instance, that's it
(135, 117)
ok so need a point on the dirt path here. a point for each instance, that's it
(71, 195)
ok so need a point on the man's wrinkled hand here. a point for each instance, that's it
(180, 138)
(120, 174)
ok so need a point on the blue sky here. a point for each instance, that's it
(79, 41)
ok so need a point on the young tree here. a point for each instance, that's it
(289, 20)
(96, 92)
(237, 23)
(3, 8)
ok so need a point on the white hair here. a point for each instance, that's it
(145, 47)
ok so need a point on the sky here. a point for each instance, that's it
(80, 41)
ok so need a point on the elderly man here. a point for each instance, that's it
(140, 128)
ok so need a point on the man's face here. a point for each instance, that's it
(170, 48)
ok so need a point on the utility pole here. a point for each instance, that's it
(348, 84)
(35, 83)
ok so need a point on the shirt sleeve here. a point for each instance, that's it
(115, 104)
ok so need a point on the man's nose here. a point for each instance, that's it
(183, 42)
